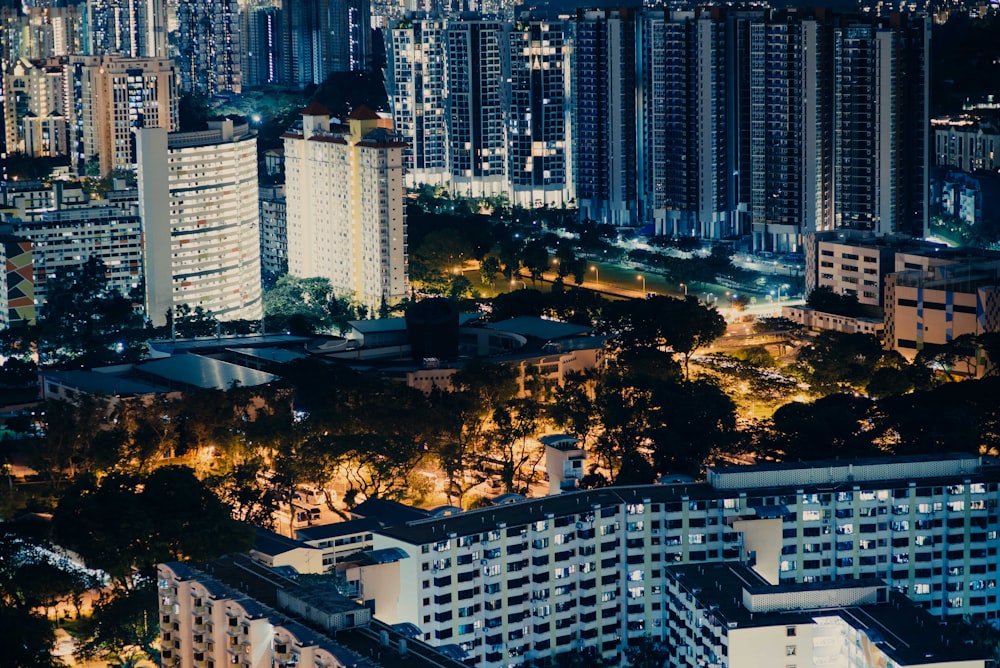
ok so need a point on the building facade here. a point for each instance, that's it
(344, 199)
(417, 83)
(116, 96)
(604, 116)
(210, 46)
(200, 215)
(592, 569)
(129, 28)
(273, 232)
(37, 107)
(966, 143)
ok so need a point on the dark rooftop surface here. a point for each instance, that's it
(272, 544)
(387, 513)
(336, 529)
(539, 328)
(826, 463)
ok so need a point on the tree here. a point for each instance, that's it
(465, 417)
(253, 496)
(123, 628)
(489, 269)
(509, 449)
(824, 299)
(88, 322)
(70, 433)
(535, 258)
(304, 302)
(682, 325)
(836, 361)
(128, 523)
(836, 425)
(646, 652)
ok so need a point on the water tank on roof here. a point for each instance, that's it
(432, 327)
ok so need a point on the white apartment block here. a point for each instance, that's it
(37, 107)
(967, 143)
(590, 569)
(64, 238)
(200, 215)
(205, 623)
(726, 616)
(344, 200)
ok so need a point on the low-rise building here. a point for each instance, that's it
(820, 320)
(727, 616)
(235, 612)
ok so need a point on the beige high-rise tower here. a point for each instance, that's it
(346, 217)
(120, 95)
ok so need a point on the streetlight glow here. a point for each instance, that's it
(642, 278)
(597, 275)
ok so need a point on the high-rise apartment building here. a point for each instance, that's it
(881, 124)
(344, 198)
(130, 28)
(273, 233)
(477, 138)
(264, 46)
(66, 228)
(417, 83)
(324, 36)
(117, 96)
(200, 216)
(210, 46)
(37, 107)
(685, 136)
(539, 124)
(37, 31)
(485, 106)
(604, 126)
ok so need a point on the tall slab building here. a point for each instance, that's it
(200, 216)
(210, 46)
(346, 220)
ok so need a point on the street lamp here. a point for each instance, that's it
(597, 275)
(784, 286)
(515, 281)
(684, 285)
(642, 278)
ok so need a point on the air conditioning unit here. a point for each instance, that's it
(484, 562)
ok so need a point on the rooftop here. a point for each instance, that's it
(272, 544)
(337, 529)
(195, 371)
(386, 512)
(539, 328)
(904, 632)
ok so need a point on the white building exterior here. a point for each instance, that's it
(726, 616)
(206, 623)
(200, 214)
(345, 213)
(588, 569)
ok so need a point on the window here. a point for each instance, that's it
(790, 632)
(789, 650)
